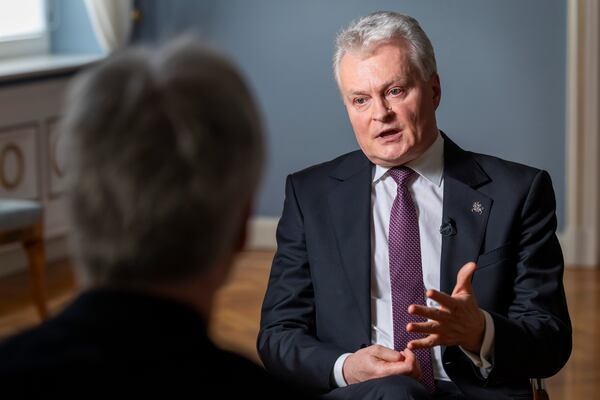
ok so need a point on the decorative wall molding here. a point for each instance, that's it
(19, 160)
(14, 182)
(582, 233)
(27, 109)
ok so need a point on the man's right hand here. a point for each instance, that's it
(377, 362)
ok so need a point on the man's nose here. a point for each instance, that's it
(382, 110)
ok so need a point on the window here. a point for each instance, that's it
(23, 28)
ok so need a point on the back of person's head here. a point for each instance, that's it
(366, 33)
(167, 152)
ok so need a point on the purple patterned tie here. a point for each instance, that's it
(406, 274)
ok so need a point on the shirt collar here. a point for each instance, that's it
(430, 165)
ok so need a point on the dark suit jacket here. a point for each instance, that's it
(497, 213)
(109, 343)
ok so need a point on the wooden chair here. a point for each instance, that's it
(21, 221)
(539, 389)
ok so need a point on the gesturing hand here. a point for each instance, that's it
(377, 362)
(458, 321)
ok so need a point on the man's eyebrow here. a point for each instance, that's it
(402, 80)
(357, 92)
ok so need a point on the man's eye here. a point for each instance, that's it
(359, 101)
(395, 91)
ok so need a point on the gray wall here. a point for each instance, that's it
(502, 65)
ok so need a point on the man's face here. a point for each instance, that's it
(391, 108)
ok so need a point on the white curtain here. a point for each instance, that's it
(111, 20)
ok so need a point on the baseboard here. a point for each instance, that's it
(261, 236)
(261, 233)
(580, 248)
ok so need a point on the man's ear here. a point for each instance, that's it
(436, 89)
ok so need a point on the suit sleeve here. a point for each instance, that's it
(287, 343)
(534, 339)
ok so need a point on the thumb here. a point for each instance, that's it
(413, 362)
(408, 354)
(463, 279)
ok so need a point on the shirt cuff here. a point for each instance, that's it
(483, 360)
(338, 370)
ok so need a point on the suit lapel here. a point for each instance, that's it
(465, 209)
(350, 207)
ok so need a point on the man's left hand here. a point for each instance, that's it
(458, 321)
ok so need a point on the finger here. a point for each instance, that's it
(410, 357)
(412, 364)
(386, 354)
(424, 327)
(435, 314)
(464, 277)
(444, 300)
(401, 368)
(424, 343)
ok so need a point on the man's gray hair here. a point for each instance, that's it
(167, 151)
(366, 33)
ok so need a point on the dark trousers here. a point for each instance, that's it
(395, 387)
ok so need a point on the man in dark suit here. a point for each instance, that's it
(167, 151)
(412, 269)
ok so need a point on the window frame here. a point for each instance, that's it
(30, 44)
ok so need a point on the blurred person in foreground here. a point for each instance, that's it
(166, 151)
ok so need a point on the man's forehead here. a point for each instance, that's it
(397, 50)
(357, 70)
(368, 49)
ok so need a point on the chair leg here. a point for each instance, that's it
(36, 255)
(538, 387)
(540, 394)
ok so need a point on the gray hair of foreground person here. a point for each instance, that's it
(366, 33)
(167, 151)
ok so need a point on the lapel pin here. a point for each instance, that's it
(477, 208)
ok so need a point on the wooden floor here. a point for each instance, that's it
(235, 322)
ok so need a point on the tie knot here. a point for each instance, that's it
(401, 175)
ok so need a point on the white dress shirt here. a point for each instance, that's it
(427, 191)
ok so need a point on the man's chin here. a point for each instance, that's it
(389, 162)
(391, 158)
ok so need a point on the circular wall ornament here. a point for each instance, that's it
(11, 182)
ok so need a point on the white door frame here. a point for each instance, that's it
(581, 235)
